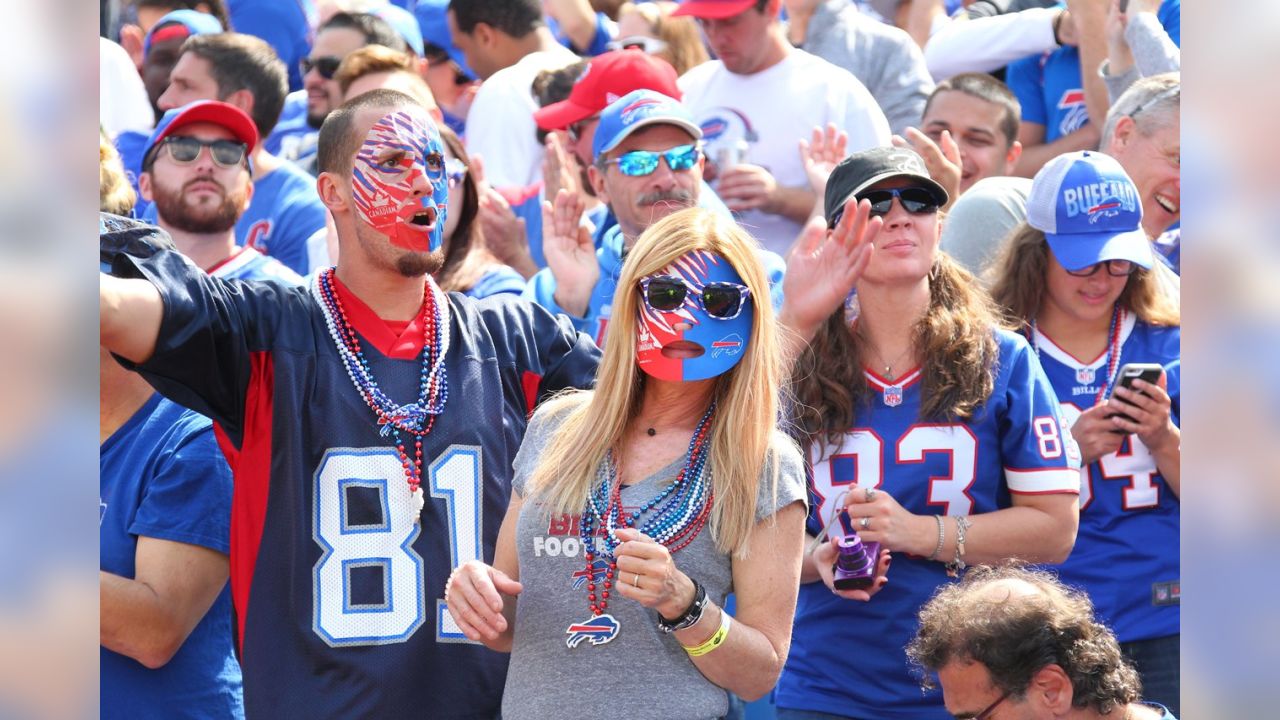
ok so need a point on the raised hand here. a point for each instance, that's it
(504, 232)
(941, 158)
(559, 168)
(570, 253)
(825, 266)
(820, 155)
(474, 596)
(747, 187)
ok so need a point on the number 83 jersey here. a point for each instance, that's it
(338, 591)
(848, 658)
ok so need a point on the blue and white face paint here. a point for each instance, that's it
(399, 149)
(695, 319)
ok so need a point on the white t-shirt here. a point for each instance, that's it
(122, 98)
(500, 123)
(772, 111)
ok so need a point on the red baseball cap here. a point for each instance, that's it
(209, 111)
(607, 78)
(714, 9)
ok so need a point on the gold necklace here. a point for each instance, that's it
(888, 367)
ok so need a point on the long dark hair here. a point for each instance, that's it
(956, 341)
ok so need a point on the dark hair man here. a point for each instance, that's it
(982, 115)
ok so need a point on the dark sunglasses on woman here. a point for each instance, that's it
(915, 200)
(721, 300)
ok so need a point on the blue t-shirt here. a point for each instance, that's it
(1049, 86)
(542, 286)
(497, 280)
(163, 477)
(249, 264)
(284, 213)
(292, 138)
(1127, 548)
(285, 24)
(848, 658)
(605, 30)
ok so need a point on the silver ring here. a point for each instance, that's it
(864, 523)
(636, 581)
(871, 494)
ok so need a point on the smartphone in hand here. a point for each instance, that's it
(1146, 372)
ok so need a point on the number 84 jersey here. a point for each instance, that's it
(1013, 444)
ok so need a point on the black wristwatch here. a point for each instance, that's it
(691, 614)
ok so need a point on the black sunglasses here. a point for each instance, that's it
(721, 300)
(1115, 268)
(327, 66)
(185, 150)
(915, 200)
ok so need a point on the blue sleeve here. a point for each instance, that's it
(210, 327)
(302, 216)
(1170, 17)
(539, 345)
(531, 211)
(541, 290)
(599, 42)
(1038, 453)
(498, 280)
(188, 500)
(1025, 78)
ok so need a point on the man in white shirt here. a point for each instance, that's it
(506, 43)
(757, 101)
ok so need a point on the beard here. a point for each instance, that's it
(172, 205)
(379, 250)
(412, 264)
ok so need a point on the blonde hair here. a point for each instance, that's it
(1018, 284)
(744, 431)
(114, 192)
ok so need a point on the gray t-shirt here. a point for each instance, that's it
(642, 672)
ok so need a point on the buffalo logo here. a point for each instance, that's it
(712, 127)
(596, 572)
(599, 630)
(405, 417)
(728, 346)
(630, 111)
(1108, 208)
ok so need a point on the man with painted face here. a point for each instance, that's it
(648, 165)
(370, 421)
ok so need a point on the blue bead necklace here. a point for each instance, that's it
(414, 419)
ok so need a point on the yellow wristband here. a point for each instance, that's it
(716, 639)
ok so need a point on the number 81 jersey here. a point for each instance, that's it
(1012, 444)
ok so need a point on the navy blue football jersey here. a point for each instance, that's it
(848, 658)
(1127, 553)
(338, 590)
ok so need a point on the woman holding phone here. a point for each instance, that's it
(1077, 278)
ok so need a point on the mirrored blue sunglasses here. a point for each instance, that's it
(639, 163)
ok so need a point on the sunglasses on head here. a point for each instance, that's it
(638, 42)
(639, 163)
(721, 300)
(915, 200)
(327, 66)
(455, 170)
(1115, 268)
(185, 150)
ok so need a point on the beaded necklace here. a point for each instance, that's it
(679, 512)
(414, 419)
(1113, 351)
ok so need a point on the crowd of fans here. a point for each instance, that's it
(963, 214)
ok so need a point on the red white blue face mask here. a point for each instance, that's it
(695, 319)
(399, 150)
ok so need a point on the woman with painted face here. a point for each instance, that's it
(469, 267)
(638, 506)
(930, 430)
(1078, 279)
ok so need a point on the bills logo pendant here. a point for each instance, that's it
(1084, 376)
(599, 630)
(893, 396)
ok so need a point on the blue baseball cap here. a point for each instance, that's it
(404, 23)
(635, 110)
(181, 24)
(211, 111)
(1089, 210)
(435, 31)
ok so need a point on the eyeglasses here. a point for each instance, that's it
(721, 300)
(327, 66)
(577, 129)
(1166, 93)
(648, 44)
(1115, 268)
(915, 200)
(185, 150)
(639, 163)
(991, 708)
(455, 170)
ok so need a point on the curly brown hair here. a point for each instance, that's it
(1015, 634)
(955, 338)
